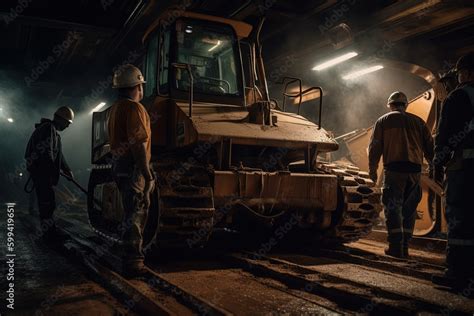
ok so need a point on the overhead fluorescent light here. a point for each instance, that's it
(215, 46)
(98, 107)
(362, 72)
(335, 61)
(10, 120)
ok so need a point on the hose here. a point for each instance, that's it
(97, 201)
(75, 183)
(258, 214)
(260, 195)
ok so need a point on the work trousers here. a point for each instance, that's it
(44, 195)
(460, 220)
(135, 215)
(400, 197)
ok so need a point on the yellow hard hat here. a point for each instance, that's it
(66, 113)
(397, 97)
(127, 76)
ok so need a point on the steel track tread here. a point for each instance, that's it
(359, 206)
(186, 203)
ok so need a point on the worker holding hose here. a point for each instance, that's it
(44, 162)
(130, 141)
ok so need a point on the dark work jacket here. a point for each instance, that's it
(43, 153)
(402, 139)
(454, 134)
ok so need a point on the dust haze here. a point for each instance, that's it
(26, 107)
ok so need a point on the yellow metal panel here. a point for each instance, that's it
(299, 191)
(242, 29)
(422, 106)
(292, 130)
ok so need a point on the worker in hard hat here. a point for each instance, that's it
(402, 139)
(130, 141)
(454, 156)
(44, 162)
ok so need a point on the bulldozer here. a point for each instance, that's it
(225, 154)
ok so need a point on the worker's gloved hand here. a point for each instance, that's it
(68, 174)
(373, 176)
(149, 187)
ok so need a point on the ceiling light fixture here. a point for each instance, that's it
(335, 61)
(362, 72)
(98, 107)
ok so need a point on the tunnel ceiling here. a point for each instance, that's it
(428, 32)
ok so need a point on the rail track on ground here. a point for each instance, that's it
(324, 281)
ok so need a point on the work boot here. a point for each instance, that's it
(49, 233)
(395, 251)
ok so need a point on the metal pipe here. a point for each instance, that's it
(261, 68)
(187, 67)
(129, 23)
(346, 134)
(285, 94)
(241, 8)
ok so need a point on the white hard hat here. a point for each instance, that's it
(397, 97)
(127, 76)
(66, 113)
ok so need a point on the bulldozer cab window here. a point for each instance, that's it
(164, 61)
(211, 51)
(151, 66)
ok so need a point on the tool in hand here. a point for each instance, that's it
(81, 188)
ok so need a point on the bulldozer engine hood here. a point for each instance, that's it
(211, 122)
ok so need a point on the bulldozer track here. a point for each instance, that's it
(358, 203)
(185, 211)
(186, 203)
